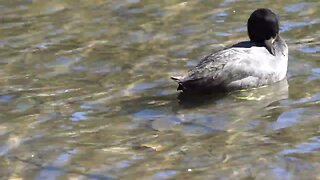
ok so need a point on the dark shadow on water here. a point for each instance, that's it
(187, 100)
(272, 92)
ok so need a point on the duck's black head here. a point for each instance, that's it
(263, 28)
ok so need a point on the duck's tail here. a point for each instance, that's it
(178, 80)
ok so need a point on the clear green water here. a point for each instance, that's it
(85, 92)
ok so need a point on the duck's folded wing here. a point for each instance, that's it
(204, 76)
(221, 69)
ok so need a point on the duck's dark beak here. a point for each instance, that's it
(270, 46)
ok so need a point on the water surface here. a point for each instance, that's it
(85, 93)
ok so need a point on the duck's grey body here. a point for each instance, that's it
(244, 65)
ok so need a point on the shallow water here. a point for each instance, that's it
(85, 93)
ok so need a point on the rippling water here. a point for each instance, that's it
(85, 93)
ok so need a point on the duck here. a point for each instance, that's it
(259, 61)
